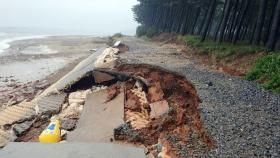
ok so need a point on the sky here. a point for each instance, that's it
(98, 17)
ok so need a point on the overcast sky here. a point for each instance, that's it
(101, 17)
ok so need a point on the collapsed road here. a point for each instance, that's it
(153, 98)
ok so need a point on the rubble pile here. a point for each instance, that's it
(72, 109)
(162, 113)
(16, 92)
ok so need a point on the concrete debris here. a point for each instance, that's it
(100, 77)
(73, 111)
(99, 118)
(159, 108)
(107, 59)
(50, 105)
(17, 114)
(68, 124)
(79, 94)
(5, 137)
(21, 128)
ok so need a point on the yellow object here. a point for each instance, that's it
(52, 133)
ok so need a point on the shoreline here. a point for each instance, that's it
(29, 66)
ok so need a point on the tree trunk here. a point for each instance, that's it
(274, 29)
(220, 23)
(236, 35)
(270, 19)
(196, 19)
(208, 19)
(224, 21)
(260, 22)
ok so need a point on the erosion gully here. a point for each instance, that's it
(161, 110)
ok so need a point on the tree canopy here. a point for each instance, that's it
(255, 22)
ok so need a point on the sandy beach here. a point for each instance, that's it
(28, 66)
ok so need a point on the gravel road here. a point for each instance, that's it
(242, 119)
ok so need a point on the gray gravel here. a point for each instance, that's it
(242, 119)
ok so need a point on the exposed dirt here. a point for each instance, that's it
(236, 66)
(179, 130)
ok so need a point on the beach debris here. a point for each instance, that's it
(117, 43)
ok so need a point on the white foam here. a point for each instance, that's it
(5, 43)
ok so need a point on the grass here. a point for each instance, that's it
(221, 50)
(266, 71)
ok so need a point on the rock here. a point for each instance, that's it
(107, 59)
(76, 101)
(42, 85)
(12, 85)
(11, 102)
(71, 112)
(63, 134)
(6, 80)
(20, 99)
(64, 106)
(21, 128)
(76, 95)
(210, 83)
(100, 77)
(159, 108)
(155, 92)
(68, 124)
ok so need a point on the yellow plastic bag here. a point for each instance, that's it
(52, 133)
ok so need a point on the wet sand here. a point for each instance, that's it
(29, 66)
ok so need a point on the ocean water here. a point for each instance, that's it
(7, 38)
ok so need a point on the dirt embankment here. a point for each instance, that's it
(236, 66)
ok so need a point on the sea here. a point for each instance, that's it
(8, 35)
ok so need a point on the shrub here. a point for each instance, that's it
(221, 50)
(141, 31)
(266, 71)
(152, 31)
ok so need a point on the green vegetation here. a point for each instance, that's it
(254, 22)
(221, 50)
(146, 31)
(267, 72)
(141, 31)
